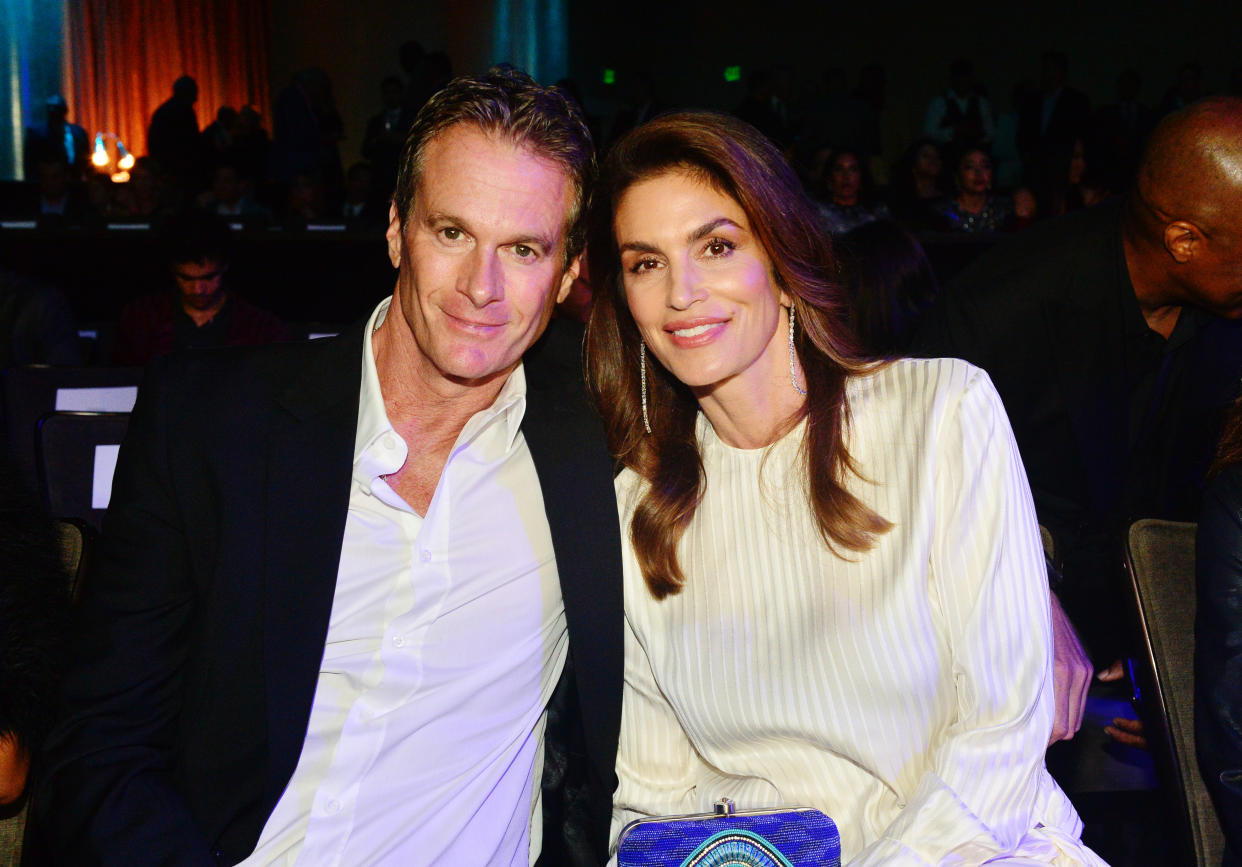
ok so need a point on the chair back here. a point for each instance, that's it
(77, 544)
(1160, 559)
(76, 456)
(29, 393)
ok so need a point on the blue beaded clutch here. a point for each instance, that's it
(787, 837)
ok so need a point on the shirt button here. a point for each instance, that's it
(425, 555)
(398, 641)
(390, 442)
(332, 807)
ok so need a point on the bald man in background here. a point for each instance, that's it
(1112, 337)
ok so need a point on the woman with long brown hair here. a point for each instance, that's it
(834, 587)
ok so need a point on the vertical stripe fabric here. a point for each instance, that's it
(905, 691)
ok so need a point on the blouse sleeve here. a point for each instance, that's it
(987, 579)
(663, 782)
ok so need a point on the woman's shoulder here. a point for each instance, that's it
(909, 379)
(921, 391)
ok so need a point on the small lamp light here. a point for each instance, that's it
(126, 161)
(100, 157)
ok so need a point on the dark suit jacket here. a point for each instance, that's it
(204, 625)
(39, 142)
(1071, 116)
(1050, 316)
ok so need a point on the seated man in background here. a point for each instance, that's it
(1112, 337)
(202, 311)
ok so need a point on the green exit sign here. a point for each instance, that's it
(733, 73)
(610, 76)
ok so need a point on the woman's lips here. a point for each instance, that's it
(699, 332)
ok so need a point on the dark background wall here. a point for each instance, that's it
(687, 45)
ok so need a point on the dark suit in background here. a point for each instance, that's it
(204, 625)
(1113, 422)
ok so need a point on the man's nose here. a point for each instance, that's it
(483, 281)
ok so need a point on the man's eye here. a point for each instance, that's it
(450, 233)
(523, 252)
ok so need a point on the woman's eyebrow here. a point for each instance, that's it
(707, 228)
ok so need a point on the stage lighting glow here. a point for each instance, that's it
(100, 157)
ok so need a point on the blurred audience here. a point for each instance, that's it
(198, 310)
(385, 133)
(36, 324)
(57, 137)
(848, 200)
(61, 203)
(1054, 114)
(173, 138)
(145, 197)
(364, 206)
(306, 130)
(918, 186)
(963, 113)
(974, 208)
(230, 198)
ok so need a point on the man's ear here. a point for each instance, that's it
(567, 280)
(393, 235)
(1182, 239)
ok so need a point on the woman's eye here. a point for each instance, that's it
(644, 265)
(717, 247)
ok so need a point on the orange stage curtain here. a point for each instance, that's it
(123, 56)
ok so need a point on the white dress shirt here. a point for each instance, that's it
(447, 637)
(905, 691)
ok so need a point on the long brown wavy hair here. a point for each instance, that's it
(738, 161)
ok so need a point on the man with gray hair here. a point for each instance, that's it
(341, 580)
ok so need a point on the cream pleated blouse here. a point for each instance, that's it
(907, 691)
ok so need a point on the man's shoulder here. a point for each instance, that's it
(233, 378)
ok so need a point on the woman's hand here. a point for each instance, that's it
(1071, 675)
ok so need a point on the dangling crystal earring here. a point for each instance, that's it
(642, 376)
(793, 379)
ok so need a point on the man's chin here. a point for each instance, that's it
(202, 304)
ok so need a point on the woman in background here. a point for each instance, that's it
(834, 586)
(849, 201)
(974, 208)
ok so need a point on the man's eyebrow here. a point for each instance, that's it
(546, 242)
(541, 241)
